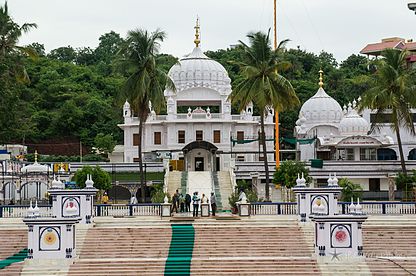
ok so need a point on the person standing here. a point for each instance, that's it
(195, 202)
(188, 200)
(175, 201)
(182, 203)
(213, 201)
(104, 199)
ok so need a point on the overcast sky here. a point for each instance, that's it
(341, 27)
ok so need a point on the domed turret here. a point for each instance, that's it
(197, 70)
(321, 108)
(352, 123)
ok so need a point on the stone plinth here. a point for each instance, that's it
(338, 235)
(166, 209)
(243, 209)
(51, 238)
(204, 209)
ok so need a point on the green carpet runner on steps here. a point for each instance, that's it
(18, 257)
(180, 251)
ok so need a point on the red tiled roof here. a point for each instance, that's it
(411, 46)
(376, 48)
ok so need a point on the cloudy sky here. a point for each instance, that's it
(341, 27)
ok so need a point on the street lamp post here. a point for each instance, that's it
(412, 7)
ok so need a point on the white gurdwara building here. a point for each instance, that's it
(343, 140)
(199, 126)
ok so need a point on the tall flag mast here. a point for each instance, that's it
(276, 113)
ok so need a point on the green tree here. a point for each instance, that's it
(65, 54)
(101, 178)
(145, 82)
(104, 143)
(288, 172)
(393, 92)
(12, 71)
(350, 190)
(262, 84)
(406, 183)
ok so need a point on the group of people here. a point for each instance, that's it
(183, 203)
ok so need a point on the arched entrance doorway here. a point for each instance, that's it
(200, 156)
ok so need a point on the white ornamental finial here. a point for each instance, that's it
(89, 184)
(335, 180)
(330, 181)
(352, 207)
(358, 208)
(303, 180)
(166, 200)
(30, 210)
(36, 210)
(298, 181)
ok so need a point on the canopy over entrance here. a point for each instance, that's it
(200, 145)
(200, 156)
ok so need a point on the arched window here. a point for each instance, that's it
(386, 154)
(412, 155)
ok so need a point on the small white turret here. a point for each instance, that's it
(127, 112)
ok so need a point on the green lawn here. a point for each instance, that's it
(136, 176)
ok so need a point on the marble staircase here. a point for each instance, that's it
(226, 188)
(174, 182)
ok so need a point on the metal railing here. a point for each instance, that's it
(20, 211)
(371, 208)
(257, 208)
(274, 208)
(100, 210)
(145, 209)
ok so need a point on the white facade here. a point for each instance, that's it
(343, 137)
(201, 84)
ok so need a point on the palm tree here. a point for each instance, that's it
(392, 93)
(145, 82)
(262, 84)
(10, 32)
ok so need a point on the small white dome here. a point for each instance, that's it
(321, 108)
(353, 124)
(35, 168)
(197, 70)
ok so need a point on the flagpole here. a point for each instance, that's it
(276, 113)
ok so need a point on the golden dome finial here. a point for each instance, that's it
(197, 40)
(36, 156)
(321, 78)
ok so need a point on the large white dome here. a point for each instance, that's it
(321, 108)
(353, 124)
(197, 70)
